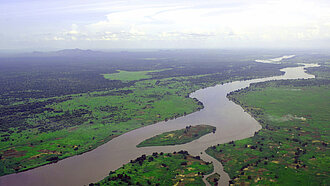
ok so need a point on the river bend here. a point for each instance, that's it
(231, 121)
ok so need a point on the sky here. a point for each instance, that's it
(143, 24)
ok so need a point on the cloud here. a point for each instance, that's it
(217, 22)
(267, 21)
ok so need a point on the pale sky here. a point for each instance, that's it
(105, 24)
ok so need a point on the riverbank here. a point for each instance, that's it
(291, 147)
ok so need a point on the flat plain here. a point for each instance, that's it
(292, 146)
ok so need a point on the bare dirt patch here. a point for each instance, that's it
(11, 153)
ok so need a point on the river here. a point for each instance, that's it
(231, 121)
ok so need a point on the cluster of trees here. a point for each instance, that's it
(221, 70)
(14, 116)
(122, 177)
(68, 119)
(139, 160)
(116, 93)
(53, 84)
(319, 71)
(292, 83)
(187, 129)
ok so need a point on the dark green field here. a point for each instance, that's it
(292, 146)
(182, 136)
(160, 169)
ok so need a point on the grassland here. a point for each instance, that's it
(160, 169)
(292, 146)
(213, 179)
(182, 136)
(106, 115)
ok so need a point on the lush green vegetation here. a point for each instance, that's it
(213, 179)
(87, 120)
(182, 136)
(56, 107)
(160, 169)
(292, 147)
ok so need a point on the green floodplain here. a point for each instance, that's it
(106, 115)
(182, 136)
(178, 168)
(51, 111)
(292, 146)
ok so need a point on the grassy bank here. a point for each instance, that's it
(160, 169)
(292, 146)
(182, 136)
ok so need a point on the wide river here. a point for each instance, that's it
(230, 119)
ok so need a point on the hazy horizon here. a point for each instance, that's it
(120, 25)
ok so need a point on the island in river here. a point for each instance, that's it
(177, 168)
(182, 136)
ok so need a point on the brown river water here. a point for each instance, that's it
(231, 121)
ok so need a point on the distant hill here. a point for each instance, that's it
(67, 53)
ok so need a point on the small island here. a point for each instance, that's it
(177, 168)
(178, 137)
